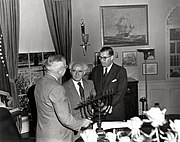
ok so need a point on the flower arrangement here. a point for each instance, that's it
(22, 88)
(21, 84)
(24, 104)
(160, 129)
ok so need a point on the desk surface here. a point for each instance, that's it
(130, 79)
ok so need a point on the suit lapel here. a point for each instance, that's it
(110, 75)
(100, 79)
(73, 90)
(85, 87)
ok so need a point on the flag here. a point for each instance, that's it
(4, 77)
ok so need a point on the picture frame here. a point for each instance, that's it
(125, 25)
(129, 58)
(96, 58)
(152, 68)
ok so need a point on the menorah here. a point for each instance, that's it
(96, 108)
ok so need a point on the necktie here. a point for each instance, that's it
(81, 90)
(105, 73)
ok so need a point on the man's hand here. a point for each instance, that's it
(86, 123)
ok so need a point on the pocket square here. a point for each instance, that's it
(114, 80)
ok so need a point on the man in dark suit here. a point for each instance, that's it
(32, 104)
(78, 71)
(54, 119)
(8, 129)
(111, 77)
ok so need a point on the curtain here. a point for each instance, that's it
(9, 21)
(4, 78)
(59, 18)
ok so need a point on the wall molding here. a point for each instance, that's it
(166, 93)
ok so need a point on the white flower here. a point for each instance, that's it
(111, 136)
(156, 116)
(175, 126)
(89, 135)
(134, 124)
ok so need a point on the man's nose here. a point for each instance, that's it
(76, 72)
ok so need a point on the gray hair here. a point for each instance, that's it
(50, 62)
(84, 66)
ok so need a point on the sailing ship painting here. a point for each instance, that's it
(124, 27)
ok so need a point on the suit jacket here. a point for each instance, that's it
(74, 97)
(115, 80)
(54, 120)
(8, 129)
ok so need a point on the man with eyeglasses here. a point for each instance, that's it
(110, 77)
(54, 119)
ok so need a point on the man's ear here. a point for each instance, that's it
(84, 72)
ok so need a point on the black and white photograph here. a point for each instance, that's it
(89, 70)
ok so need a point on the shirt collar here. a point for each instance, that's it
(75, 82)
(108, 68)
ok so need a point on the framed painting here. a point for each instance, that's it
(129, 58)
(125, 25)
(152, 68)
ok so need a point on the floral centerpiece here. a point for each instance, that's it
(160, 129)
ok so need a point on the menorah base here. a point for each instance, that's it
(101, 135)
(100, 132)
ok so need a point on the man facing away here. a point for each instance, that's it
(54, 119)
(111, 77)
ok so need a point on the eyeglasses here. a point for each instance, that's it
(103, 58)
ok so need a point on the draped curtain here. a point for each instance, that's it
(4, 78)
(59, 18)
(9, 21)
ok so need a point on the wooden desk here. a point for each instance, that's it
(131, 99)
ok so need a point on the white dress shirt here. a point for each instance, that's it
(77, 86)
(108, 68)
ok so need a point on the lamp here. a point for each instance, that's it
(146, 54)
(85, 38)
